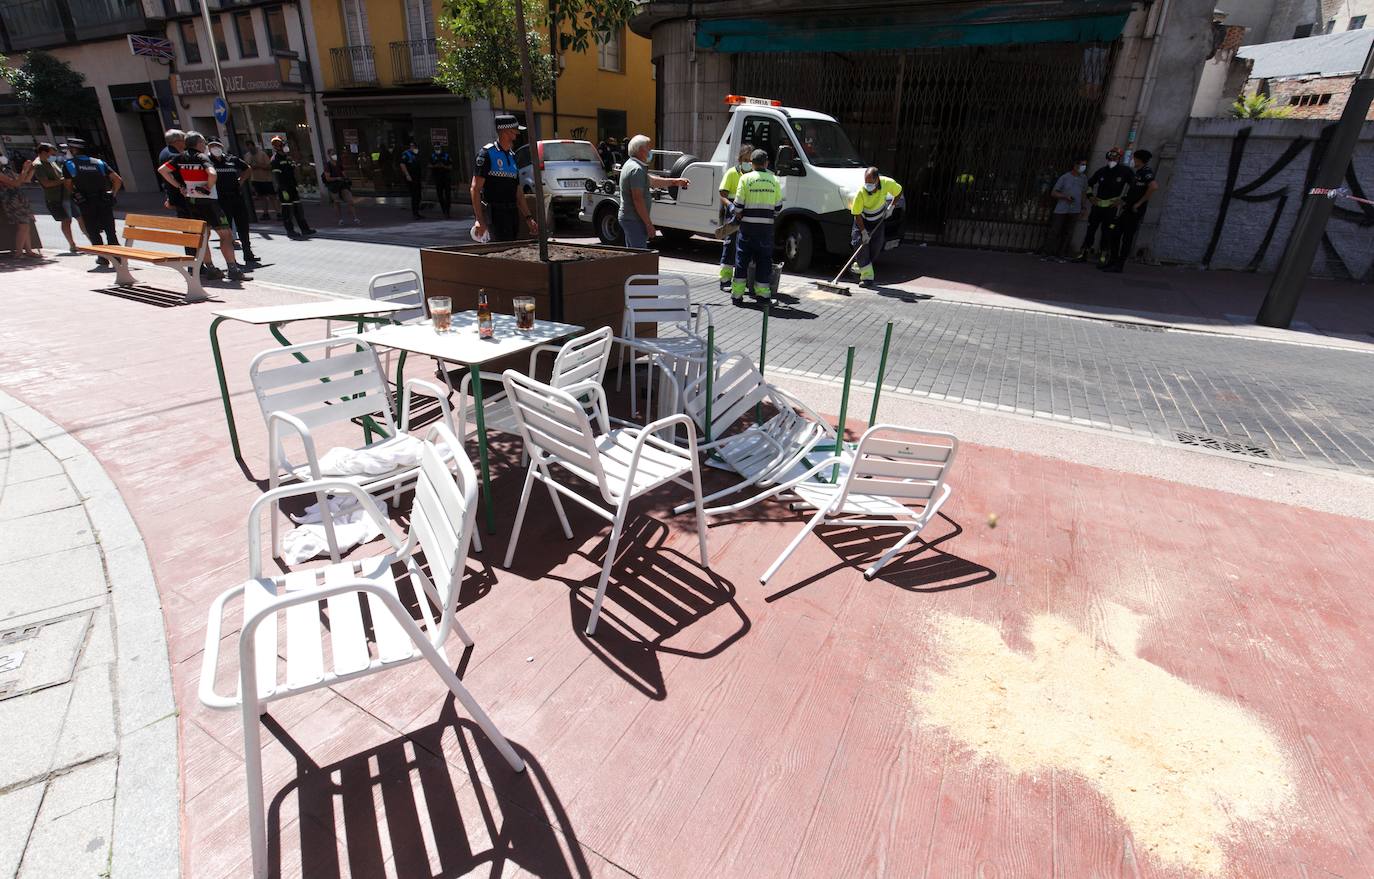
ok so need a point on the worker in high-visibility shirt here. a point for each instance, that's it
(758, 199)
(870, 210)
(728, 184)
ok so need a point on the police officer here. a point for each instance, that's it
(288, 190)
(1108, 184)
(758, 199)
(1143, 188)
(495, 188)
(410, 171)
(233, 173)
(870, 208)
(728, 184)
(441, 172)
(92, 185)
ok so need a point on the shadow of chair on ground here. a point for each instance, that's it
(405, 810)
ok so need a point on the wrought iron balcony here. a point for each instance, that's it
(354, 66)
(413, 60)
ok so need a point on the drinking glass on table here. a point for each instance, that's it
(524, 313)
(441, 313)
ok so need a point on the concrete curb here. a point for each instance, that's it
(146, 841)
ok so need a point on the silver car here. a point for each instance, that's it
(568, 165)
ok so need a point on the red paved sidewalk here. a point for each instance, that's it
(825, 726)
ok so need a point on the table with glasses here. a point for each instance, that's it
(463, 346)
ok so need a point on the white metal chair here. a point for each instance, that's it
(891, 469)
(762, 454)
(625, 463)
(298, 398)
(578, 361)
(402, 286)
(666, 302)
(441, 526)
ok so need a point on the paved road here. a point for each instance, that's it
(1297, 403)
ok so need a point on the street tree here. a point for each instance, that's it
(49, 90)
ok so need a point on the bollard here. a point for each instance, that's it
(710, 373)
(763, 354)
(844, 411)
(882, 370)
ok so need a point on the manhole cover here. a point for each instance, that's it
(1144, 328)
(41, 655)
(1221, 444)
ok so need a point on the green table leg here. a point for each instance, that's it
(224, 388)
(482, 446)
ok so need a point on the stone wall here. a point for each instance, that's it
(1201, 226)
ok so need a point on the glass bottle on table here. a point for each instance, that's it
(485, 329)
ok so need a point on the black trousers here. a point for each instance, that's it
(292, 212)
(183, 210)
(1102, 218)
(99, 221)
(504, 222)
(1123, 236)
(240, 215)
(414, 186)
(1058, 235)
(443, 190)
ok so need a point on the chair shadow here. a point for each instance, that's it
(655, 593)
(920, 567)
(403, 812)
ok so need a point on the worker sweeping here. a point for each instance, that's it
(758, 199)
(728, 184)
(871, 207)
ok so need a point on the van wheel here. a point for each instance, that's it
(798, 246)
(608, 225)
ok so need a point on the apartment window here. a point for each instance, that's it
(608, 50)
(190, 46)
(1302, 30)
(276, 29)
(1310, 100)
(217, 32)
(1330, 25)
(248, 38)
(1356, 23)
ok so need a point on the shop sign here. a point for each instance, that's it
(257, 78)
(350, 136)
(438, 137)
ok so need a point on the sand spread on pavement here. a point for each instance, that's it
(1181, 767)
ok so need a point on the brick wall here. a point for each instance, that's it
(1188, 225)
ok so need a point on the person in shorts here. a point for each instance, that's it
(194, 175)
(53, 179)
(260, 161)
(340, 188)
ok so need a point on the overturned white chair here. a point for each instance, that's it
(666, 302)
(338, 598)
(299, 398)
(624, 464)
(762, 454)
(892, 469)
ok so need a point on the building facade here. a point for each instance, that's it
(976, 107)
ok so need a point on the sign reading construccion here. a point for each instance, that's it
(258, 78)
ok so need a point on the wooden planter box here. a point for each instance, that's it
(587, 292)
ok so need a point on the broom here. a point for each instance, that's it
(834, 286)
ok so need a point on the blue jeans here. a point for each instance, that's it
(636, 233)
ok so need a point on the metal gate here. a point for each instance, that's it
(976, 135)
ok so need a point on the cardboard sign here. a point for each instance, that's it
(438, 137)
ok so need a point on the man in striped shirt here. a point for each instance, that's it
(758, 199)
(870, 209)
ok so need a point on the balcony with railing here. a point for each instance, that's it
(413, 61)
(353, 67)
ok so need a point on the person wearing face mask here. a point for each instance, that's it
(48, 172)
(1143, 188)
(1108, 185)
(758, 201)
(1070, 197)
(728, 184)
(192, 173)
(288, 190)
(92, 184)
(870, 209)
(340, 188)
(233, 172)
(441, 172)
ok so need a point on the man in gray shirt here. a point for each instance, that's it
(1069, 195)
(635, 180)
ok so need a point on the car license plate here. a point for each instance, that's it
(571, 182)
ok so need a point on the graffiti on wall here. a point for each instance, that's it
(1250, 193)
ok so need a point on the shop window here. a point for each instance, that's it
(248, 38)
(190, 46)
(1302, 30)
(276, 29)
(609, 50)
(217, 33)
(1356, 23)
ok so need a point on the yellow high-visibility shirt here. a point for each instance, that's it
(731, 180)
(759, 197)
(872, 205)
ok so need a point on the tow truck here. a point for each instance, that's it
(819, 168)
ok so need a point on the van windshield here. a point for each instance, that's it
(573, 151)
(825, 144)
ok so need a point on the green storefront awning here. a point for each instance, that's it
(783, 34)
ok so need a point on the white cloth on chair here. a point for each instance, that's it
(352, 527)
(374, 460)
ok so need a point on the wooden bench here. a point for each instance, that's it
(162, 230)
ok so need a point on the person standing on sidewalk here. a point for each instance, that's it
(441, 172)
(15, 208)
(231, 171)
(172, 197)
(288, 190)
(340, 188)
(635, 182)
(93, 186)
(192, 172)
(728, 184)
(870, 208)
(1143, 188)
(50, 176)
(1108, 184)
(1070, 197)
(758, 199)
(414, 177)
(262, 179)
(495, 189)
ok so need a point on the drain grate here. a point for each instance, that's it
(1143, 328)
(1220, 444)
